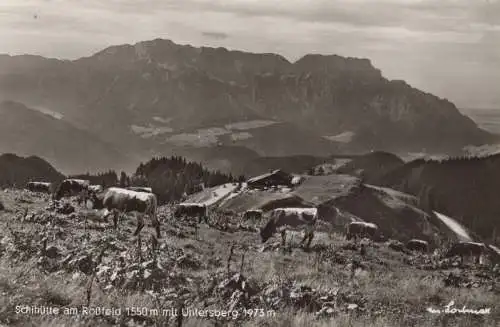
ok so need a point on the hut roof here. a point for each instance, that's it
(276, 172)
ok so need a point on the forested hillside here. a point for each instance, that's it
(462, 187)
(16, 171)
(172, 177)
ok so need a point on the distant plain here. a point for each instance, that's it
(487, 119)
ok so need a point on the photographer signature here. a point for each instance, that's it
(449, 309)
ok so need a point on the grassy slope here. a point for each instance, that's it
(371, 165)
(318, 189)
(390, 290)
(213, 195)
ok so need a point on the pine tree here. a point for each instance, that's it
(123, 179)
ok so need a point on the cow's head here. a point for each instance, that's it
(264, 234)
(267, 231)
(57, 195)
(178, 211)
(96, 200)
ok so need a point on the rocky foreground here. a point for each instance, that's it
(63, 266)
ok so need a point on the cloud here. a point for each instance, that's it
(215, 35)
(431, 44)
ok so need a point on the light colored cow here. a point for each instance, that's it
(120, 200)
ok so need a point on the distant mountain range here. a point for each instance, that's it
(128, 103)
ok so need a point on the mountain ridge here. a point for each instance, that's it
(192, 88)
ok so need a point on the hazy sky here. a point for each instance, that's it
(448, 47)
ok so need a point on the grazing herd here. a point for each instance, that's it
(117, 201)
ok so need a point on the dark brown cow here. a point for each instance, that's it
(418, 245)
(186, 209)
(42, 187)
(71, 187)
(361, 229)
(467, 249)
(253, 214)
(282, 219)
(118, 200)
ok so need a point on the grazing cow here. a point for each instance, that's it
(254, 214)
(186, 209)
(118, 200)
(361, 229)
(39, 187)
(71, 187)
(140, 189)
(282, 219)
(469, 249)
(418, 245)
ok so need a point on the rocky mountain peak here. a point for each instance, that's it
(199, 88)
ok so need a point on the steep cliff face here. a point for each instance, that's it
(171, 89)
